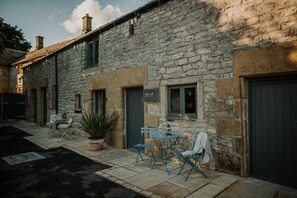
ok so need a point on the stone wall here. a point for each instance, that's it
(71, 81)
(184, 42)
(195, 42)
(36, 76)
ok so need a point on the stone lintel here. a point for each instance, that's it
(278, 59)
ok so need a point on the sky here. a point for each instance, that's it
(59, 20)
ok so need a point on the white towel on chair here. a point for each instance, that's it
(202, 142)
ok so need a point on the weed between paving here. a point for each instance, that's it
(63, 173)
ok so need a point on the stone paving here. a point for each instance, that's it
(156, 182)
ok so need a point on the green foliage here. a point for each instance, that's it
(97, 124)
(12, 37)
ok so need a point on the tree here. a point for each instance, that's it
(12, 37)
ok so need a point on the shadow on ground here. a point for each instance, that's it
(63, 173)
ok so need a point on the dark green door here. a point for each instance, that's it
(34, 102)
(273, 130)
(135, 117)
(44, 105)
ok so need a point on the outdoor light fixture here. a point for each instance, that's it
(131, 26)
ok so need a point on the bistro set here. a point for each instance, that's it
(165, 142)
(61, 126)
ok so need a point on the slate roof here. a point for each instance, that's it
(9, 56)
(37, 55)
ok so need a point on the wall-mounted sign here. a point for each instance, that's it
(150, 94)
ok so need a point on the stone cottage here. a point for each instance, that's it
(225, 67)
(37, 108)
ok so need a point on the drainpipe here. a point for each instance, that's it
(56, 75)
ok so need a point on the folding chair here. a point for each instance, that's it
(66, 128)
(201, 152)
(52, 124)
(142, 148)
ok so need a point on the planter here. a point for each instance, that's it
(95, 144)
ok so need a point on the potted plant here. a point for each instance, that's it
(96, 125)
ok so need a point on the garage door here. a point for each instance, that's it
(273, 130)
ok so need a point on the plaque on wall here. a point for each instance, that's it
(150, 95)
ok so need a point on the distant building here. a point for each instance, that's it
(31, 57)
(8, 73)
(228, 68)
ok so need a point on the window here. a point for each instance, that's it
(99, 101)
(77, 105)
(182, 101)
(92, 53)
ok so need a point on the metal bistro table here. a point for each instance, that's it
(166, 147)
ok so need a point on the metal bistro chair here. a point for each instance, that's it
(66, 128)
(52, 124)
(142, 148)
(201, 152)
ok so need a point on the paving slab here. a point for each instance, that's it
(121, 173)
(112, 154)
(246, 189)
(275, 186)
(190, 184)
(149, 178)
(169, 190)
(140, 168)
(285, 195)
(225, 180)
(123, 161)
(207, 191)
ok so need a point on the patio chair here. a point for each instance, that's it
(201, 152)
(52, 124)
(142, 148)
(66, 129)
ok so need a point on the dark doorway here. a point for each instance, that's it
(135, 117)
(13, 106)
(34, 103)
(44, 105)
(273, 130)
(99, 101)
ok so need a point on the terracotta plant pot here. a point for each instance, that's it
(95, 144)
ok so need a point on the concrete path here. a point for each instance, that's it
(156, 182)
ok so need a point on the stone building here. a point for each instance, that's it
(8, 77)
(225, 67)
(39, 53)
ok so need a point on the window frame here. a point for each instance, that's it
(77, 103)
(92, 53)
(182, 111)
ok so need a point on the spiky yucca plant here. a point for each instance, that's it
(97, 124)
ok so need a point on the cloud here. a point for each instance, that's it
(100, 15)
(54, 13)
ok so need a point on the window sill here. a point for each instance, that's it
(180, 119)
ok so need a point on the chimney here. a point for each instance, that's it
(39, 42)
(87, 23)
